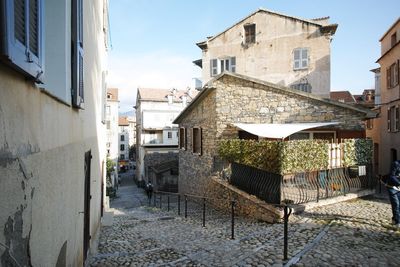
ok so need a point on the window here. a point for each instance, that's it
(214, 67)
(393, 116)
(304, 87)
(369, 124)
(392, 75)
(218, 66)
(250, 33)
(108, 110)
(77, 54)
(169, 134)
(122, 147)
(122, 157)
(300, 58)
(22, 44)
(197, 141)
(393, 39)
(122, 137)
(182, 138)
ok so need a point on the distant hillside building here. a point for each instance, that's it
(273, 47)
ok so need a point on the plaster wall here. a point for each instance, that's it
(271, 57)
(42, 146)
(390, 98)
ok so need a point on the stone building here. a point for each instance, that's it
(232, 98)
(52, 88)
(274, 47)
(385, 130)
(156, 135)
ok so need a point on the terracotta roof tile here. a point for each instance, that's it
(343, 96)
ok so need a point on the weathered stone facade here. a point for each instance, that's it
(221, 193)
(233, 98)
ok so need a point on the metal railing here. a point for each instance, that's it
(190, 205)
(300, 187)
(174, 201)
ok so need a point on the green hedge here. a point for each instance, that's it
(292, 156)
(357, 152)
(276, 156)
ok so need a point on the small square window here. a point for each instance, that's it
(250, 33)
(169, 134)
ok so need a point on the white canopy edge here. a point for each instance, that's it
(278, 130)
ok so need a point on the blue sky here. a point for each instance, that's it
(154, 40)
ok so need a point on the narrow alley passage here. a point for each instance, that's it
(354, 233)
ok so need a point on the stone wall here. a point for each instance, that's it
(231, 99)
(221, 193)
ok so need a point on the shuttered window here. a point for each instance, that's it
(77, 89)
(250, 33)
(300, 58)
(21, 47)
(213, 67)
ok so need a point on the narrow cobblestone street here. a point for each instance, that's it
(353, 233)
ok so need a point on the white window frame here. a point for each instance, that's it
(219, 65)
(303, 58)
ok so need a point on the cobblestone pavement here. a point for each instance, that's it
(353, 233)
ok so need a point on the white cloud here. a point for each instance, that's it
(156, 70)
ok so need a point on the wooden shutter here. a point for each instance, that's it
(213, 67)
(296, 60)
(22, 36)
(233, 64)
(201, 141)
(388, 78)
(77, 89)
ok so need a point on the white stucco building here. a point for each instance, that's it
(156, 135)
(273, 47)
(112, 108)
(52, 87)
(123, 139)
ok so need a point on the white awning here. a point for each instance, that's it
(277, 130)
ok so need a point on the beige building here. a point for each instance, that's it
(386, 129)
(274, 47)
(231, 98)
(52, 76)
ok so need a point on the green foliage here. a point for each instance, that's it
(110, 167)
(357, 152)
(304, 155)
(276, 156)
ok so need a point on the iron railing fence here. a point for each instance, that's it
(302, 187)
(263, 184)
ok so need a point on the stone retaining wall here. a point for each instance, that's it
(221, 194)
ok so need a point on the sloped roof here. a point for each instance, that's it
(161, 95)
(310, 21)
(340, 96)
(209, 87)
(123, 121)
(113, 92)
